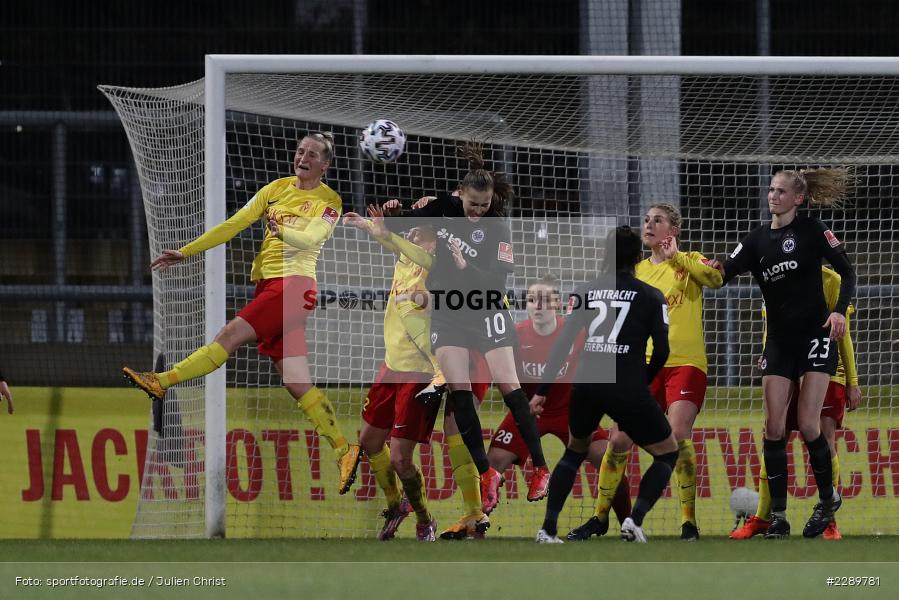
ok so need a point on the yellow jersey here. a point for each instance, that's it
(407, 326)
(307, 219)
(681, 279)
(846, 368)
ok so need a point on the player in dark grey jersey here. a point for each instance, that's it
(469, 313)
(619, 314)
(785, 257)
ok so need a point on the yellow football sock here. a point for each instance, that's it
(835, 468)
(465, 474)
(414, 487)
(764, 509)
(685, 469)
(610, 473)
(318, 409)
(202, 361)
(385, 476)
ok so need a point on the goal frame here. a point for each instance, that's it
(218, 66)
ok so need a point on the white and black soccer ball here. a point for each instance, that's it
(382, 141)
(743, 502)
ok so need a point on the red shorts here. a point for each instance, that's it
(834, 407)
(508, 437)
(278, 314)
(391, 404)
(678, 383)
(480, 375)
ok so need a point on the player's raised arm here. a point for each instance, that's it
(397, 244)
(318, 230)
(699, 267)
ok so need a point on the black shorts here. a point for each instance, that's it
(477, 330)
(806, 353)
(631, 407)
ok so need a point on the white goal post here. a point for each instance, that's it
(661, 125)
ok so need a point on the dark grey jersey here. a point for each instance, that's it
(786, 264)
(618, 315)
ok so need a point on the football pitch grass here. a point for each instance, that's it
(497, 568)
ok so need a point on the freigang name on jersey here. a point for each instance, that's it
(779, 271)
(463, 245)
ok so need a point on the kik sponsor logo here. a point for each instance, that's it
(535, 370)
(780, 270)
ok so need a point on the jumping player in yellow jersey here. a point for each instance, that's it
(390, 409)
(680, 386)
(300, 213)
(394, 406)
(842, 393)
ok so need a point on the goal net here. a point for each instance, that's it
(584, 149)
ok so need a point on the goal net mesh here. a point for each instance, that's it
(582, 152)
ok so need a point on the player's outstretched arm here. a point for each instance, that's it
(226, 230)
(166, 260)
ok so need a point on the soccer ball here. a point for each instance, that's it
(743, 502)
(382, 141)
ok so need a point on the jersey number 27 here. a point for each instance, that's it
(600, 305)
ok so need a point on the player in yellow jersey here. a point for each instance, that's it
(680, 387)
(300, 213)
(843, 393)
(390, 409)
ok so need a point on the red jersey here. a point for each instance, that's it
(531, 355)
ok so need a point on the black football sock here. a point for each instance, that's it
(517, 401)
(819, 457)
(775, 454)
(653, 484)
(560, 486)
